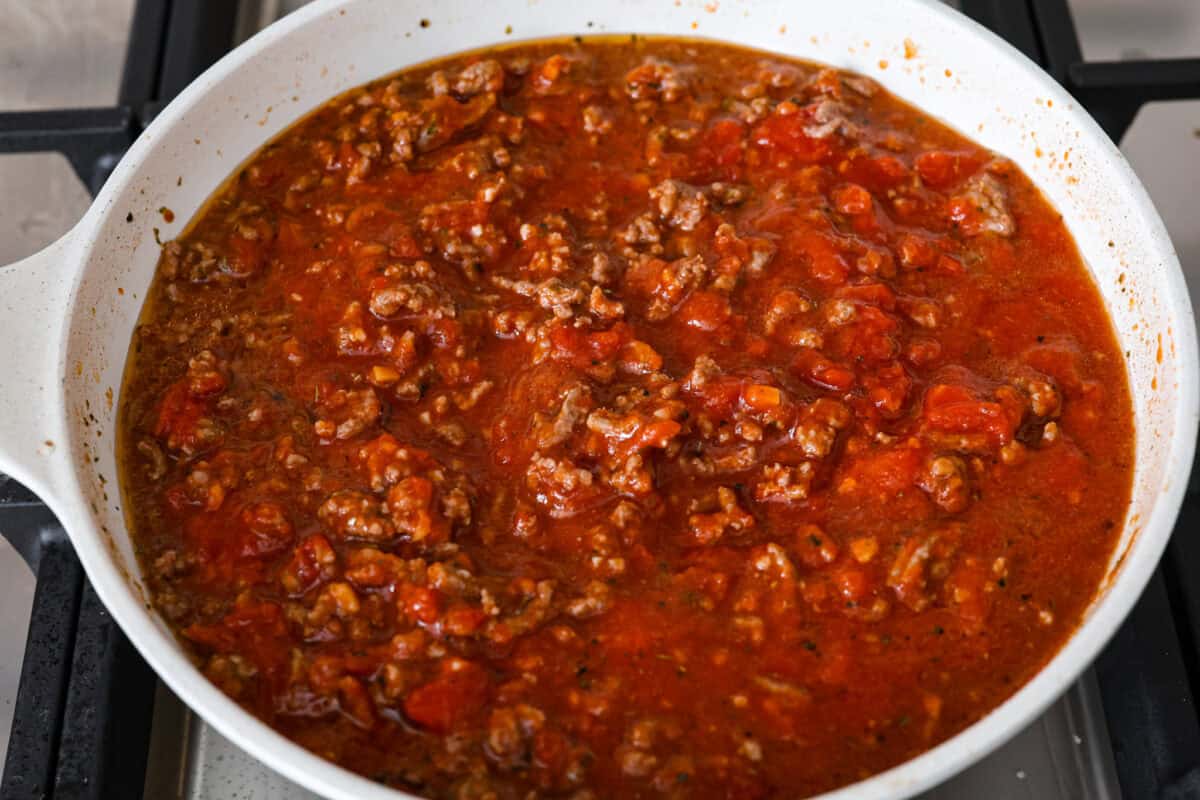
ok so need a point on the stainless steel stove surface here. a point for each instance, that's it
(60, 53)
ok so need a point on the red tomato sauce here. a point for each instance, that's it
(624, 419)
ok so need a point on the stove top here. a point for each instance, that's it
(90, 720)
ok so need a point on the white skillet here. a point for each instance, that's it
(67, 313)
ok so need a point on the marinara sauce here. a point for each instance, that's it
(624, 419)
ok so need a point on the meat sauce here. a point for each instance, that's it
(624, 418)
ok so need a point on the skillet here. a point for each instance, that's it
(68, 312)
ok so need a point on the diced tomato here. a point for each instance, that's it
(457, 693)
(949, 265)
(955, 409)
(784, 135)
(888, 389)
(178, 415)
(583, 349)
(604, 345)
(639, 358)
(852, 199)
(267, 529)
(825, 261)
(941, 169)
(307, 564)
(546, 75)
(916, 252)
(889, 170)
(852, 583)
(705, 311)
(376, 222)
(719, 153)
(421, 603)
(227, 552)
(869, 337)
(463, 620)
(818, 370)
(643, 275)
(761, 397)
(355, 703)
(964, 212)
(719, 395)
(254, 629)
(882, 471)
(922, 352)
(659, 434)
(177, 410)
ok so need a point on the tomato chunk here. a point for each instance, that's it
(820, 371)
(955, 409)
(457, 693)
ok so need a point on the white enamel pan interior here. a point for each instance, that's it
(68, 312)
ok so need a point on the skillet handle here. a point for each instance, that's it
(34, 309)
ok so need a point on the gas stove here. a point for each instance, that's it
(90, 720)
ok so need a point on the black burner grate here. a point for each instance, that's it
(1112, 91)
(82, 722)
